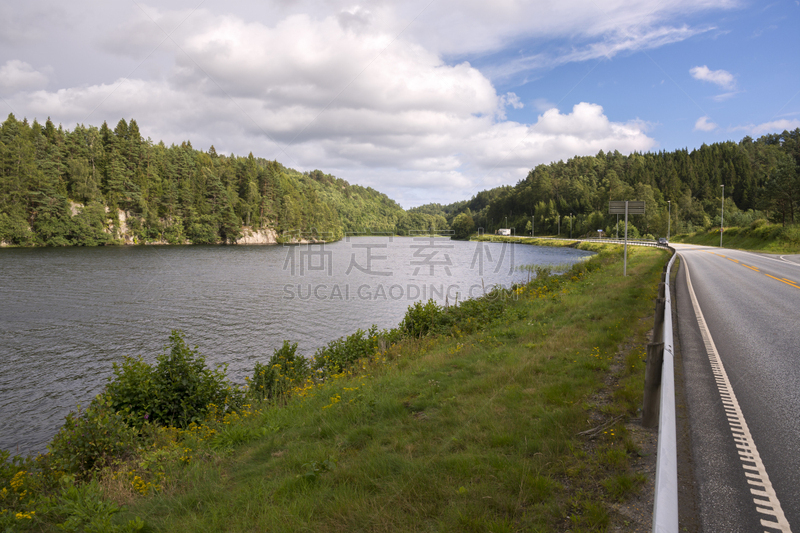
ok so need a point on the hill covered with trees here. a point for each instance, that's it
(93, 186)
(760, 176)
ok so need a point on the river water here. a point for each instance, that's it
(67, 314)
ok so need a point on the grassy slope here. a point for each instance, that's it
(767, 238)
(474, 433)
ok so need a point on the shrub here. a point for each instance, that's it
(342, 353)
(176, 392)
(24, 485)
(283, 370)
(91, 439)
(421, 318)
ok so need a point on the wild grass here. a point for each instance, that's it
(759, 236)
(455, 432)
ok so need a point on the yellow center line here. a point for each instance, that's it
(751, 268)
(790, 281)
(730, 259)
(791, 284)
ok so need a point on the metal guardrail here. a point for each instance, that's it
(600, 241)
(659, 403)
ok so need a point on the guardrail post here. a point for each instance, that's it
(658, 323)
(652, 384)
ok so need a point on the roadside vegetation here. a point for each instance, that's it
(505, 413)
(683, 191)
(760, 236)
(94, 186)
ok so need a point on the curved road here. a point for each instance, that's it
(742, 382)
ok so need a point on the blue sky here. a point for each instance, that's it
(427, 101)
(753, 43)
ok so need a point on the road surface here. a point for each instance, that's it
(740, 343)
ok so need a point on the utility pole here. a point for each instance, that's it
(570, 225)
(722, 215)
(625, 255)
(669, 217)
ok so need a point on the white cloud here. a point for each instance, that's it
(704, 124)
(724, 96)
(511, 99)
(775, 126)
(508, 99)
(608, 46)
(722, 78)
(339, 90)
(16, 75)
(477, 26)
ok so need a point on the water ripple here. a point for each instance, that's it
(68, 314)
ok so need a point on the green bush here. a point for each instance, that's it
(342, 353)
(283, 370)
(24, 485)
(176, 392)
(421, 318)
(91, 439)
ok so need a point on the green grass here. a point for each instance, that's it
(771, 238)
(467, 433)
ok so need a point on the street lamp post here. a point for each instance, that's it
(506, 221)
(722, 215)
(669, 217)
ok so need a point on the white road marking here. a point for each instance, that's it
(780, 259)
(766, 501)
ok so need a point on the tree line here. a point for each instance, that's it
(682, 191)
(85, 186)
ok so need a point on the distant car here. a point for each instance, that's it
(662, 241)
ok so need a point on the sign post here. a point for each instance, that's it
(619, 207)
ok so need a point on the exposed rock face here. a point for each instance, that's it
(75, 207)
(122, 227)
(261, 236)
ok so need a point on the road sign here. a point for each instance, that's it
(617, 207)
(625, 207)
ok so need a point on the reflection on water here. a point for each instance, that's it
(66, 314)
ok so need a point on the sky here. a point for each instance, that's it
(424, 100)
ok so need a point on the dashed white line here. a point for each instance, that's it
(765, 499)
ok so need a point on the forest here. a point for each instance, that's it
(93, 186)
(682, 190)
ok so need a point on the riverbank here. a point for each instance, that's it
(518, 421)
(771, 238)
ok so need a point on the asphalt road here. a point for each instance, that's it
(742, 386)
